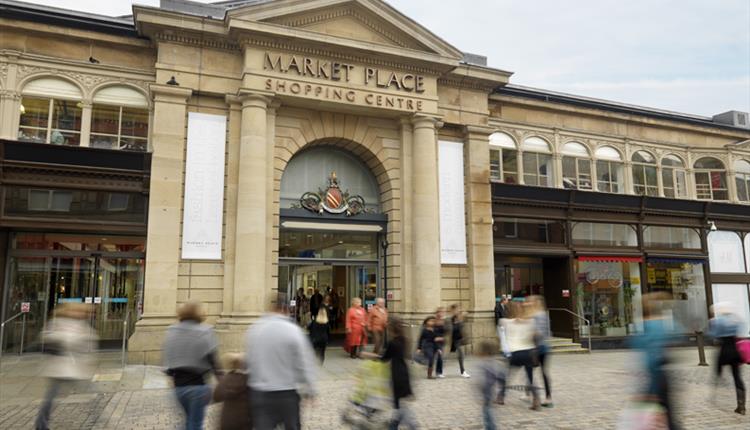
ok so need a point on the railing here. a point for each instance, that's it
(125, 327)
(23, 331)
(588, 323)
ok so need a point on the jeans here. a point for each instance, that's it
(273, 408)
(45, 409)
(489, 420)
(543, 357)
(523, 359)
(460, 353)
(194, 399)
(439, 361)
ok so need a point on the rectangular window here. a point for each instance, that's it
(510, 166)
(609, 295)
(577, 173)
(119, 127)
(46, 120)
(495, 173)
(644, 180)
(529, 230)
(603, 234)
(609, 176)
(671, 238)
(684, 284)
(536, 169)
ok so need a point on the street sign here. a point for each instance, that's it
(25, 307)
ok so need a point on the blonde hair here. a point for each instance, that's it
(190, 311)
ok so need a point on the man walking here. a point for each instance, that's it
(377, 319)
(281, 365)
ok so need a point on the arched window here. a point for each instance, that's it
(609, 170)
(576, 166)
(50, 112)
(503, 158)
(742, 177)
(710, 179)
(119, 119)
(673, 177)
(645, 179)
(537, 162)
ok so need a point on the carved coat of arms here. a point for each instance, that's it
(333, 200)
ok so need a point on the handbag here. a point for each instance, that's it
(743, 349)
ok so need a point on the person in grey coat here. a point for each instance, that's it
(189, 355)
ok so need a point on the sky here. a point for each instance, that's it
(690, 56)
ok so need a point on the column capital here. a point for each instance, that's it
(478, 131)
(170, 93)
(255, 98)
(426, 121)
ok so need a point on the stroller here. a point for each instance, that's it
(371, 397)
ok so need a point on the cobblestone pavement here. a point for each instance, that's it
(589, 393)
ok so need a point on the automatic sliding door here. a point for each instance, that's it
(363, 283)
(28, 279)
(120, 283)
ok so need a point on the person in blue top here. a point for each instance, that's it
(653, 344)
(724, 327)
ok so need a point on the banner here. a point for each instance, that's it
(202, 215)
(452, 215)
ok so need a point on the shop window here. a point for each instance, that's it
(684, 283)
(710, 179)
(608, 294)
(609, 170)
(519, 279)
(645, 181)
(747, 252)
(327, 245)
(74, 205)
(119, 119)
(528, 230)
(50, 120)
(603, 234)
(742, 178)
(734, 297)
(503, 158)
(537, 162)
(576, 167)
(671, 237)
(674, 177)
(725, 252)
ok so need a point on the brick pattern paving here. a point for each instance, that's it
(589, 392)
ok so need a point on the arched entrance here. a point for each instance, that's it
(330, 233)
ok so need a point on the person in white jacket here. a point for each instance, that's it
(68, 340)
(517, 338)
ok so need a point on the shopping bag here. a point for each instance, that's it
(743, 348)
(643, 415)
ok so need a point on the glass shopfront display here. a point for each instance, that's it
(608, 294)
(684, 281)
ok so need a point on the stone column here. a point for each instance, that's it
(9, 110)
(164, 223)
(250, 252)
(425, 216)
(233, 155)
(86, 109)
(732, 193)
(406, 295)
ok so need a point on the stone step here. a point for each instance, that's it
(560, 345)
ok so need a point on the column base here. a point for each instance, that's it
(145, 345)
(231, 330)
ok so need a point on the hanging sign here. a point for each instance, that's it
(25, 307)
(204, 187)
(451, 198)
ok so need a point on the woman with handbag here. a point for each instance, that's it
(724, 327)
(518, 335)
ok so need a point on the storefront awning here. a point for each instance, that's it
(610, 259)
(677, 260)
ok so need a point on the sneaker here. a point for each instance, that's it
(466, 374)
(440, 375)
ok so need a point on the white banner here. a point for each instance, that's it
(452, 217)
(204, 187)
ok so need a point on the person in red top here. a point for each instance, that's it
(356, 319)
(377, 318)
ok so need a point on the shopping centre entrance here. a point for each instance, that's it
(47, 270)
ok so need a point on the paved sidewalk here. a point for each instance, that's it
(589, 393)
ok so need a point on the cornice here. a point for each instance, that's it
(227, 45)
(466, 84)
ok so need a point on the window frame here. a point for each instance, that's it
(709, 172)
(613, 165)
(676, 171)
(119, 134)
(645, 189)
(50, 117)
(743, 177)
(498, 148)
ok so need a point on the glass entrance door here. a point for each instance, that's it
(119, 281)
(28, 277)
(363, 283)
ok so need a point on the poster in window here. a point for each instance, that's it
(204, 187)
(451, 199)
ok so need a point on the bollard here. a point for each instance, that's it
(701, 349)
(23, 333)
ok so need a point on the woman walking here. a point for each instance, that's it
(428, 343)
(395, 351)
(356, 320)
(189, 355)
(518, 341)
(724, 327)
(457, 337)
(541, 323)
(68, 339)
(320, 329)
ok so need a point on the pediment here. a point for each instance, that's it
(368, 21)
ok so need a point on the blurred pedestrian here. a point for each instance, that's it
(518, 333)
(233, 391)
(395, 352)
(541, 323)
(315, 301)
(281, 368)
(501, 308)
(300, 306)
(457, 337)
(440, 332)
(68, 339)
(427, 344)
(377, 319)
(490, 375)
(320, 329)
(356, 321)
(189, 355)
(653, 346)
(724, 327)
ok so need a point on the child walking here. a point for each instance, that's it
(232, 389)
(489, 375)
